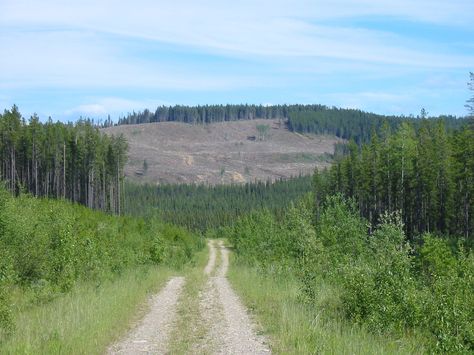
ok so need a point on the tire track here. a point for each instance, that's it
(231, 330)
(150, 336)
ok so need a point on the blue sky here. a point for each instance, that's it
(91, 58)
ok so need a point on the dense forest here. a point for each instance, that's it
(202, 207)
(358, 125)
(427, 174)
(71, 161)
(318, 119)
(212, 113)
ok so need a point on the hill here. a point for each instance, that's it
(318, 119)
(223, 152)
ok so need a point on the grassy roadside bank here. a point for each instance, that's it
(87, 319)
(295, 328)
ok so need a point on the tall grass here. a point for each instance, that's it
(295, 328)
(85, 320)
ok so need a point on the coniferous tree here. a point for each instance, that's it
(60, 160)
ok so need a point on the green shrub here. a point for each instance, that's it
(343, 234)
(380, 290)
(449, 309)
(382, 283)
(436, 258)
(256, 238)
(6, 279)
(47, 246)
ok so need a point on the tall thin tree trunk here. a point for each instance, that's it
(64, 169)
(118, 186)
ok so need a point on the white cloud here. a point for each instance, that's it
(262, 28)
(391, 102)
(83, 44)
(112, 105)
(147, 15)
(88, 110)
(77, 59)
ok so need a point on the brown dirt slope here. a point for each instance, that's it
(225, 152)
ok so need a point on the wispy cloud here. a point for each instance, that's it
(252, 28)
(243, 45)
(111, 105)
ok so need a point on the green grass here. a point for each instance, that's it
(296, 328)
(86, 320)
(189, 329)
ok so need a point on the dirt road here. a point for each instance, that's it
(236, 333)
(228, 327)
(150, 336)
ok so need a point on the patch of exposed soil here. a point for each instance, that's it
(150, 336)
(224, 152)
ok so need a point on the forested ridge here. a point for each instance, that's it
(58, 160)
(359, 125)
(318, 119)
(202, 207)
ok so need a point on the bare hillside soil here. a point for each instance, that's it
(219, 153)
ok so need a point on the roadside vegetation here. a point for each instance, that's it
(85, 320)
(349, 278)
(78, 262)
(386, 259)
(296, 327)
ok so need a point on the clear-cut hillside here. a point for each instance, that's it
(224, 152)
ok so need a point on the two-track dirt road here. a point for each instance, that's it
(229, 328)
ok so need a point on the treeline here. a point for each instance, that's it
(212, 113)
(71, 161)
(356, 124)
(48, 246)
(200, 207)
(426, 173)
(317, 119)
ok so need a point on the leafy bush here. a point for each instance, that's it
(380, 290)
(382, 282)
(436, 258)
(256, 237)
(6, 280)
(449, 309)
(47, 246)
